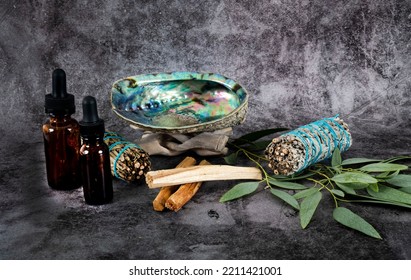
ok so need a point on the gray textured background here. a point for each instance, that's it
(300, 61)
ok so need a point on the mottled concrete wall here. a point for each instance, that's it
(300, 60)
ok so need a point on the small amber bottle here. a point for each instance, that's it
(94, 156)
(61, 135)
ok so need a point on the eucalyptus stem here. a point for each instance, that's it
(325, 185)
(259, 166)
(247, 153)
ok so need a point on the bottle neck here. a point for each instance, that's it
(92, 140)
(59, 117)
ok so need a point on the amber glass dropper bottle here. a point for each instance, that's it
(94, 156)
(61, 135)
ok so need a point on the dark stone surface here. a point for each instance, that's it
(300, 61)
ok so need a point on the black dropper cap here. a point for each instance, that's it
(59, 101)
(91, 125)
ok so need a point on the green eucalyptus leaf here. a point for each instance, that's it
(383, 175)
(286, 197)
(305, 193)
(391, 194)
(257, 146)
(253, 136)
(346, 188)
(383, 167)
(293, 177)
(350, 219)
(279, 177)
(373, 187)
(301, 175)
(358, 161)
(240, 190)
(356, 186)
(286, 185)
(231, 159)
(336, 158)
(387, 175)
(401, 180)
(375, 200)
(354, 177)
(308, 207)
(338, 192)
(406, 190)
(397, 158)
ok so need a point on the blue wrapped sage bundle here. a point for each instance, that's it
(294, 151)
(129, 161)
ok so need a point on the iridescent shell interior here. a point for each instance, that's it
(181, 102)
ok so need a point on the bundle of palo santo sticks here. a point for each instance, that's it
(174, 197)
(179, 185)
(128, 161)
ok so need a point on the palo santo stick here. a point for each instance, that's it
(165, 192)
(184, 193)
(178, 176)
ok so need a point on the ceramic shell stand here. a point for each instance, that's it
(181, 111)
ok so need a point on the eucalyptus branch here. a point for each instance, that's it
(363, 180)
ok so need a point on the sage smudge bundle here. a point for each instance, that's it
(296, 150)
(128, 161)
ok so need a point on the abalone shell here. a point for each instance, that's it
(180, 102)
